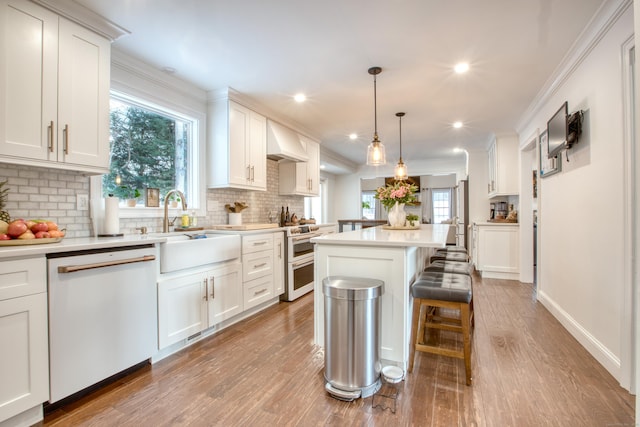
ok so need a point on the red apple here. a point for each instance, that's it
(52, 225)
(17, 228)
(39, 226)
(5, 237)
(42, 235)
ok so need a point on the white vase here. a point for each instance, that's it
(397, 215)
(235, 218)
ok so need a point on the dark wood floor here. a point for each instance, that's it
(266, 371)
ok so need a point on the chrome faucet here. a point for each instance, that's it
(165, 221)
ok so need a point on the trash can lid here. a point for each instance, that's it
(352, 288)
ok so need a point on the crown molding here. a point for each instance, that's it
(605, 18)
(81, 15)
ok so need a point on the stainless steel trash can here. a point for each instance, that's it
(352, 336)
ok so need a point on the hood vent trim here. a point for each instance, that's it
(284, 144)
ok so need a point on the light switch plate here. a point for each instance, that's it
(82, 202)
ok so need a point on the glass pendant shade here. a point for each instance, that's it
(375, 151)
(400, 172)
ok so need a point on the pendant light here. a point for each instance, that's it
(375, 151)
(400, 172)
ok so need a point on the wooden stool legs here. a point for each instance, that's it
(421, 319)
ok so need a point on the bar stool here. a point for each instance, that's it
(450, 256)
(442, 290)
(456, 267)
(452, 249)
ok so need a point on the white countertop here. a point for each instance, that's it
(77, 244)
(427, 236)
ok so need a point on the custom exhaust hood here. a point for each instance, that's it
(284, 143)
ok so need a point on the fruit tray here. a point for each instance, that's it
(18, 242)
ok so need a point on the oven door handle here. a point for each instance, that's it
(72, 268)
(299, 264)
(307, 236)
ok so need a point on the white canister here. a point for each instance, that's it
(235, 218)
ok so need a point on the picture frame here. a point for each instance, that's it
(153, 198)
(548, 166)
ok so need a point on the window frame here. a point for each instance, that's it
(196, 154)
(449, 193)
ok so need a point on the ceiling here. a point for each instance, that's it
(271, 50)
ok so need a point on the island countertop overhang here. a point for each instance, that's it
(427, 236)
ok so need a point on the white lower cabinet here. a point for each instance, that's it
(190, 303)
(278, 263)
(24, 358)
(257, 268)
(225, 293)
(497, 250)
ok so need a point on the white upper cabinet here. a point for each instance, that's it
(302, 178)
(503, 166)
(237, 155)
(54, 75)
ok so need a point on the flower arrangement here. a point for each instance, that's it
(400, 191)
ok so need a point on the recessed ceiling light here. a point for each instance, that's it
(353, 136)
(323, 167)
(457, 125)
(300, 97)
(461, 68)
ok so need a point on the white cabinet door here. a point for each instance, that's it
(24, 359)
(28, 80)
(503, 166)
(278, 263)
(258, 150)
(182, 308)
(498, 251)
(313, 167)
(54, 107)
(224, 293)
(237, 147)
(302, 178)
(239, 167)
(83, 104)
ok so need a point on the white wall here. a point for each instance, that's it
(580, 210)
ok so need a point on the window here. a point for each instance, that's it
(441, 204)
(151, 147)
(369, 203)
(314, 207)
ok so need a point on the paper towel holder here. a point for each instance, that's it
(111, 234)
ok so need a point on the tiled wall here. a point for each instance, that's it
(51, 194)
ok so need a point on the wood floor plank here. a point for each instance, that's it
(527, 371)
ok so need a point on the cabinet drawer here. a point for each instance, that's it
(257, 291)
(257, 242)
(22, 277)
(258, 264)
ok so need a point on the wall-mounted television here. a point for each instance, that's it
(557, 131)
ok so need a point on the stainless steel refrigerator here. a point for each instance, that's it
(462, 213)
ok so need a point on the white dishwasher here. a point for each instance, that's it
(102, 315)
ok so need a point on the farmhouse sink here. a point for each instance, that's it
(182, 251)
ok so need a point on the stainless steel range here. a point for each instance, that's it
(299, 258)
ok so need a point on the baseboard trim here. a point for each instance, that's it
(600, 352)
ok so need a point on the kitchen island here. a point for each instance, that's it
(393, 256)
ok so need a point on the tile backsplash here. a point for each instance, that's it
(51, 193)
